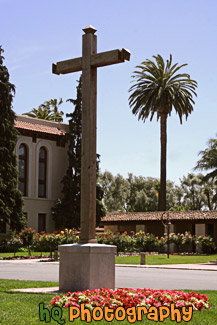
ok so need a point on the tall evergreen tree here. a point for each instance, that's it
(66, 212)
(11, 201)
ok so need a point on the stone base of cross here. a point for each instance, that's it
(88, 265)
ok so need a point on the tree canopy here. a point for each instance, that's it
(198, 193)
(140, 194)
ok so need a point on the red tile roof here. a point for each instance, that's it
(39, 128)
(112, 217)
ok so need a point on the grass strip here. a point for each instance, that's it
(23, 308)
(150, 259)
(23, 254)
(162, 259)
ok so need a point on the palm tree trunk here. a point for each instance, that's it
(163, 140)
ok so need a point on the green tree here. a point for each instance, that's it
(157, 90)
(136, 193)
(11, 201)
(66, 212)
(174, 195)
(116, 191)
(100, 207)
(143, 193)
(194, 197)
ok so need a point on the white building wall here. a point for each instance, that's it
(57, 163)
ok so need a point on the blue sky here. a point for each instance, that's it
(35, 34)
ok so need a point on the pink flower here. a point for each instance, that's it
(132, 297)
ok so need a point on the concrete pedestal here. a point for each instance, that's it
(86, 266)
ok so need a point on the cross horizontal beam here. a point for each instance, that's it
(97, 60)
(67, 66)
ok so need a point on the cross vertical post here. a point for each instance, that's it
(88, 147)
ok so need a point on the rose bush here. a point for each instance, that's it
(183, 242)
(49, 242)
(27, 235)
(15, 242)
(68, 236)
(126, 243)
(206, 244)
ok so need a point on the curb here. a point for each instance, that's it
(192, 267)
(172, 267)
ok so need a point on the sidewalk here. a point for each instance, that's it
(199, 266)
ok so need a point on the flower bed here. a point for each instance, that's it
(132, 298)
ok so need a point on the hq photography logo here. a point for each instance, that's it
(131, 314)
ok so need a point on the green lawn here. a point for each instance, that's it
(23, 254)
(162, 259)
(150, 259)
(22, 308)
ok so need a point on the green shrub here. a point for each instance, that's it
(50, 242)
(132, 242)
(139, 238)
(206, 244)
(177, 240)
(15, 243)
(5, 247)
(124, 242)
(162, 242)
(68, 236)
(151, 243)
(27, 235)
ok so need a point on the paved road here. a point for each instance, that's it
(125, 276)
(166, 278)
(25, 270)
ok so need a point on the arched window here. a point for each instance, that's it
(23, 169)
(42, 172)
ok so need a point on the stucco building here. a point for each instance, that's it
(42, 162)
(196, 222)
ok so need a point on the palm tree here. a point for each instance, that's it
(208, 160)
(49, 110)
(41, 112)
(158, 89)
(54, 105)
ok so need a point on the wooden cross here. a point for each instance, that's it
(88, 64)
